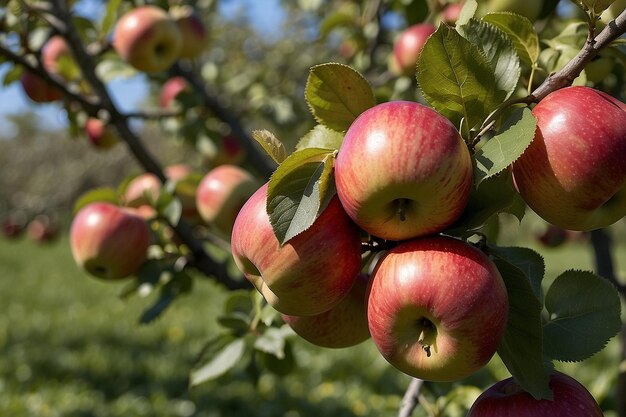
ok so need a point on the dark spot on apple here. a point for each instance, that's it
(401, 206)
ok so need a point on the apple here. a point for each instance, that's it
(142, 190)
(342, 326)
(403, 171)
(108, 241)
(309, 274)
(171, 89)
(573, 173)
(552, 236)
(13, 225)
(437, 308)
(100, 135)
(56, 58)
(192, 29)
(185, 190)
(451, 13)
(39, 90)
(148, 38)
(527, 8)
(506, 398)
(221, 194)
(41, 229)
(409, 44)
(228, 151)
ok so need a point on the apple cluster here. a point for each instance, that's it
(429, 296)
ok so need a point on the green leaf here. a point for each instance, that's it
(220, 363)
(336, 20)
(467, 12)
(299, 190)
(337, 94)
(584, 314)
(238, 322)
(273, 340)
(458, 401)
(522, 34)
(110, 16)
(103, 194)
(321, 137)
(521, 346)
(456, 78)
(278, 366)
(270, 144)
(499, 51)
(528, 261)
(506, 147)
(171, 211)
(239, 301)
(12, 75)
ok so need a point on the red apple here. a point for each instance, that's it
(13, 225)
(177, 172)
(41, 229)
(451, 13)
(573, 173)
(308, 275)
(506, 399)
(100, 135)
(39, 90)
(229, 151)
(171, 89)
(108, 241)
(221, 194)
(192, 29)
(403, 171)
(148, 38)
(409, 44)
(56, 57)
(342, 326)
(437, 308)
(141, 190)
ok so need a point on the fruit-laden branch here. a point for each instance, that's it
(62, 25)
(565, 77)
(256, 159)
(411, 398)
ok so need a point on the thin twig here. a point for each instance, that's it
(411, 398)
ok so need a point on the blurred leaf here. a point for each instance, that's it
(224, 359)
(467, 12)
(271, 145)
(584, 314)
(278, 366)
(337, 94)
(521, 347)
(273, 341)
(299, 190)
(336, 20)
(160, 305)
(458, 401)
(321, 137)
(522, 34)
(12, 75)
(236, 321)
(505, 148)
(528, 261)
(104, 194)
(110, 17)
(239, 301)
(498, 50)
(456, 78)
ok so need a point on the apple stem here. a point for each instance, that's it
(426, 325)
(401, 210)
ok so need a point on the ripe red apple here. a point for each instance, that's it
(148, 38)
(573, 173)
(506, 398)
(192, 29)
(171, 89)
(409, 44)
(342, 326)
(100, 135)
(56, 57)
(141, 190)
(221, 194)
(403, 171)
(39, 90)
(41, 229)
(108, 241)
(309, 274)
(437, 308)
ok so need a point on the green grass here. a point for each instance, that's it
(69, 346)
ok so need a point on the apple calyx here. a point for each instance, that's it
(401, 204)
(427, 330)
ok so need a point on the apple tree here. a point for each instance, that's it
(368, 210)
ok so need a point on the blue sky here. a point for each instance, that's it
(127, 93)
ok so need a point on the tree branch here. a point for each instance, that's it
(411, 398)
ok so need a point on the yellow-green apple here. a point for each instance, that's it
(42, 229)
(342, 326)
(192, 29)
(573, 173)
(409, 44)
(108, 241)
(506, 399)
(437, 308)
(403, 171)
(527, 8)
(309, 274)
(148, 38)
(56, 58)
(38, 89)
(221, 194)
(171, 89)
(99, 134)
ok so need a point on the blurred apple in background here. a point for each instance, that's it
(192, 29)
(38, 89)
(56, 58)
(100, 135)
(13, 224)
(42, 229)
(148, 38)
(171, 89)
(409, 44)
